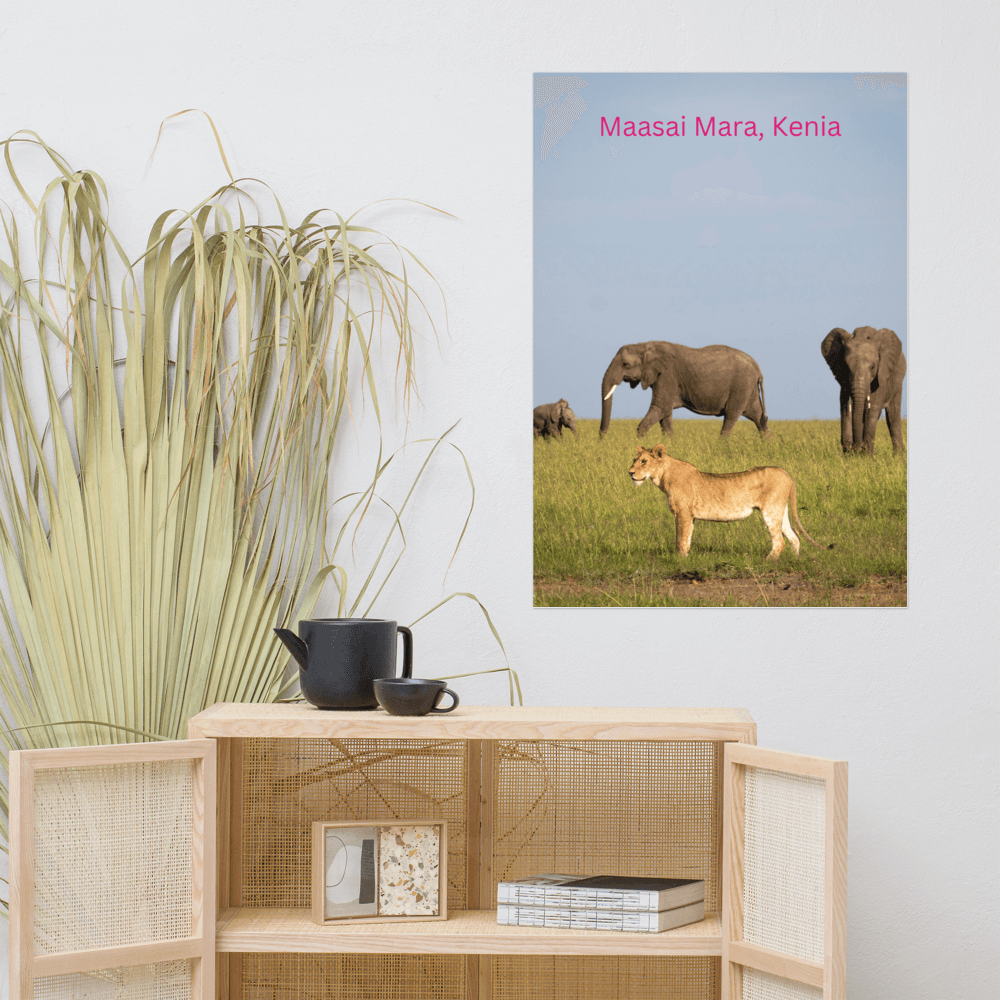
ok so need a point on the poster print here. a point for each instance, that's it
(720, 339)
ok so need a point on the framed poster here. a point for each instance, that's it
(720, 318)
(379, 871)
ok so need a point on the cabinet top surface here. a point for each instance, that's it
(477, 722)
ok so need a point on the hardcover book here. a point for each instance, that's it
(637, 921)
(601, 892)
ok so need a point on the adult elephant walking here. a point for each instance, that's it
(551, 418)
(716, 381)
(869, 365)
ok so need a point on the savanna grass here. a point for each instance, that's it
(594, 527)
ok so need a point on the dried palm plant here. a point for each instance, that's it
(166, 431)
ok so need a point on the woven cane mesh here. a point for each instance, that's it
(608, 808)
(759, 985)
(608, 977)
(783, 862)
(289, 783)
(161, 981)
(113, 855)
(353, 977)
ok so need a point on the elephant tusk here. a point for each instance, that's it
(850, 405)
(611, 390)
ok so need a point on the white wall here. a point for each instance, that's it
(336, 104)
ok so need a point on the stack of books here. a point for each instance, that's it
(601, 902)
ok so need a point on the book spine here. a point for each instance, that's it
(584, 899)
(576, 919)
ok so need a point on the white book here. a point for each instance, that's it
(638, 921)
(601, 892)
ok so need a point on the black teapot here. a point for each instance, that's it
(339, 658)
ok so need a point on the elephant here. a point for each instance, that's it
(717, 381)
(869, 365)
(551, 418)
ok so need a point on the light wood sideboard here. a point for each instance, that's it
(647, 791)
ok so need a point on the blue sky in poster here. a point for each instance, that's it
(763, 242)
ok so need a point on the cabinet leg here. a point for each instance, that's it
(478, 977)
(485, 977)
(472, 977)
(228, 976)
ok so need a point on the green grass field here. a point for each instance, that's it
(599, 540)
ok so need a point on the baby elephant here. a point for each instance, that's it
(551, 418)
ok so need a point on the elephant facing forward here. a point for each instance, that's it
(551, 418)
(869, 365)
(716, 381)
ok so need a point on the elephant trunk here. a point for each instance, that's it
(612, 379)
(859, 410)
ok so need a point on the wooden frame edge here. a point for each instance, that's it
(835, 888)
(204, 877)
(777, 963)
(781, 760)
(317, 863)
(21, 911)
(733, 818)
(117, 753)
(317, 909)
(144, 953)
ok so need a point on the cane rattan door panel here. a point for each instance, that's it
(784, 876)
(112, 853)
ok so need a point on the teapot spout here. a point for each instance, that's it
(295, 646)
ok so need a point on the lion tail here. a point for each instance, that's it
(793, 508)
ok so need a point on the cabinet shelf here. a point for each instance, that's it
(465, 932)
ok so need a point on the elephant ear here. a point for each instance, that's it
(653, 363)
(833, 350)
(890, 355)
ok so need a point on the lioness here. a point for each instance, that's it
(731, 496)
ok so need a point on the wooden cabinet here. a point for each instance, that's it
(527, 790)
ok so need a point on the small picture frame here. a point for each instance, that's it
(379, 871)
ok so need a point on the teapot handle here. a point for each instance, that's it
(407, 651)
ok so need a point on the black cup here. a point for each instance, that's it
(411, 696)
